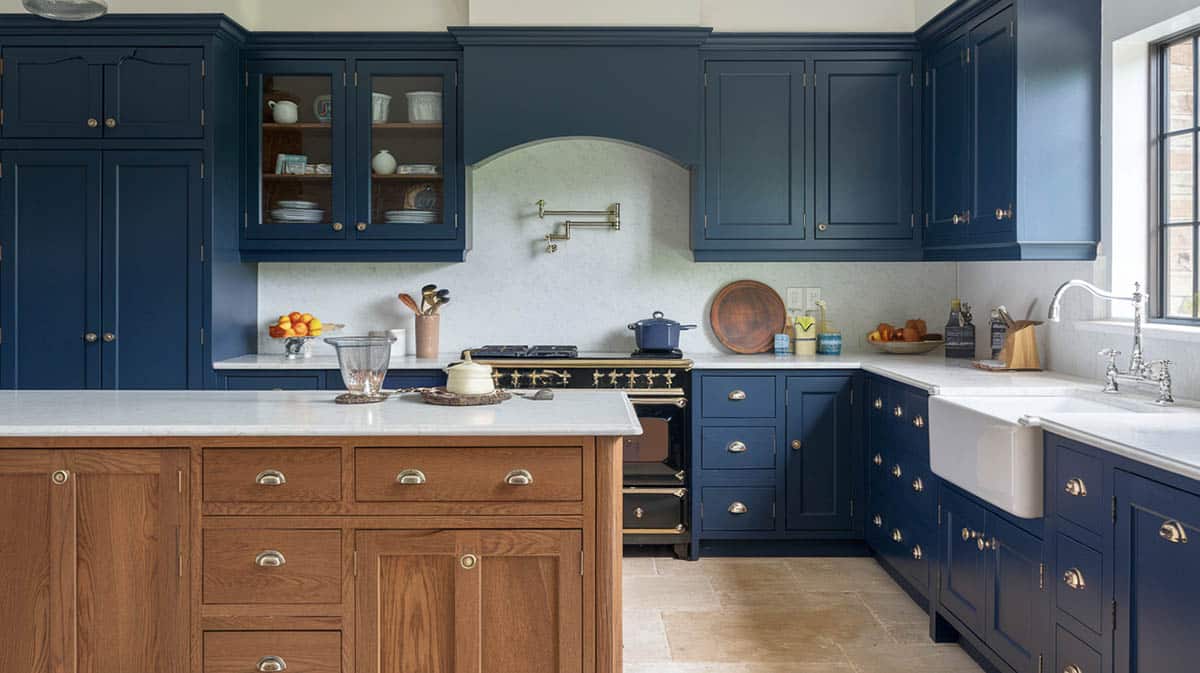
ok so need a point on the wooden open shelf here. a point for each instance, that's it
(424, 126)
(415, 177)
(319, 126)
(272, 126)
(282, 178)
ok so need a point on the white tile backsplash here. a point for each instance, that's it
(510, 291)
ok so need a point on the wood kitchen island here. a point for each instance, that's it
(274, 531)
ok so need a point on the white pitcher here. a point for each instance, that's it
(284, 111)
(383, 163)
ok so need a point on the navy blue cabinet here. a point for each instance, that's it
(332, 203)
(1013, 143)
(812, 156)
(91, 92)
(818, 465)
(1157, 594)
(755, 132)
(102, 285)
(964, 580)
(315, 379)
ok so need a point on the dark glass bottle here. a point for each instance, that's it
(960, 332)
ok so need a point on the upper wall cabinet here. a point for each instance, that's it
(1012, 117)
(812, 156)
(353, 160)
(134, 92)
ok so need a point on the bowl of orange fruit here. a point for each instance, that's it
(297, 330)
(912, 339)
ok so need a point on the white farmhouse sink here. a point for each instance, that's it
(980, 445)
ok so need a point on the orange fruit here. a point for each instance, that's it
(306, 318)
(315, 324)
(295, 316)
(284, 321)
(275, 331)
(288, 332)
(300, 329)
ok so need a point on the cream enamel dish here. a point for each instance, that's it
(469, 377)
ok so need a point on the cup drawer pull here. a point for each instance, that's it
(1075, 487)
(737, 395)
(896, 471)
(1074, 578)
(877, 460)
(736, 446)
(518, 478)
(270, 478)
(1173, 532)
(738, 508)
(897, 536)
(1072, 668)
(410, 477)
(917, 552)
(269, 559)
(918, 485)
(918, 422)
(271, 665)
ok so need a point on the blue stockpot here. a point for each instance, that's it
(658, 333)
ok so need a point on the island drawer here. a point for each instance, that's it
(272, 475)
(737, 448)
(469, 474)
(293, 651)
(272, 566)
(1079, 492)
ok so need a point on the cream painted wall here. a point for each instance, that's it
(722, 15)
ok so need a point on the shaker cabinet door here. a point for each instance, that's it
(1017, 614)
(755, 158)
(818, 450)
(154, 92)
(150, 337)
(49, 289)
(865, 150)
(993, 129)
(948, 147)
(964, 582)
(53, 92)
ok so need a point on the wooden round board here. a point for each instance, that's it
(746, 315)
(445, 398)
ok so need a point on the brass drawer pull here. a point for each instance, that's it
(1072, 668)
(271, 665)
(269, 559)
(878, 403)
(897, 536)
(737, 395)
(917, 553)
(896, 471)
(1074, 579)
(736, 446)
(918, 485)
(1172, 531)
(518, 478)
(918, 421)
(111, 123)
(877, 520)
(60, 477)
(270, 478)
(468, 561)
(410, 477)
(1076, 487)
(738, 508)
(878, 459)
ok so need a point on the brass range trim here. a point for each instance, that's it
(677, 530)
(582, 363)
(677, 492)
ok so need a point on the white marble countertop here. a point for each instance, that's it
(1169, 441)
(93, 413)
(276, 361)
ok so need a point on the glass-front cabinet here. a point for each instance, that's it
(353, 159)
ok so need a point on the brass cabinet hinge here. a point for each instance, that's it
(1041, 663)
(179, 480)
(201, 336)
(1114, 509)
(851, 508)
(1, 67)
(356, 563)
(201, 170)
(202, 116)
(912, 220)
(1041, 576)
(1114, 616)
(201, 253)
(912, 79)
(203, 68)
(245, 220)
(705, 221)
(456, 221)
(804, 79)
(581, 562)
(246, 81)
(926, 78)
(455, 79)
(355, 78)
(178, 552)
(939, 513)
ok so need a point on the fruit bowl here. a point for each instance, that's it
(297, 331)
(906, 347)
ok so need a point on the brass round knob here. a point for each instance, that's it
(92, 122)
(796, 445)
(109, 337)
(361, 226)
(822, 226)
(468, 561)
(966, 534)
(91, 337)
(110, 123)
(337, 226)
(60, 477)
(638, 512)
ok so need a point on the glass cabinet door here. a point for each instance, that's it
(406, 157)
(297, 150)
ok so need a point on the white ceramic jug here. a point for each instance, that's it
(384, 163)
(284, 111)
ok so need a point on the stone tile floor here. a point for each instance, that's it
(776, 615)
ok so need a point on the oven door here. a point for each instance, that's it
(657, 457)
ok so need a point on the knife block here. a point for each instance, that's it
(1021, 348)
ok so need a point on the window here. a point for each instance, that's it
(1177, 129)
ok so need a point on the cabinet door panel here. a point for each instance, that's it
(963, 580)
(818, 453)
(131, 529)
(154, 92)
(993, 127)
(755, 150)
(1017, 607)
(152, 282)
(948, 142)
(1158, 597)
(52, 92)
(49, 279)
(865, 147)
(31, 580)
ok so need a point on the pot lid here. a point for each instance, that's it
(657, 319)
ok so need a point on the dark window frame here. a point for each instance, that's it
(1160, 178)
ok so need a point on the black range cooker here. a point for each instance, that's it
(655, 464)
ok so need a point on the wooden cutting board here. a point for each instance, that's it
(746, 315)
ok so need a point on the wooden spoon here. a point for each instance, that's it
(407, 300)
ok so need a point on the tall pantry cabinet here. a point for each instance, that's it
(118, 153)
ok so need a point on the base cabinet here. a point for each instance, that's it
(94, 550)
(470, 600)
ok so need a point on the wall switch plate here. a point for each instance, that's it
(811, 296)
(795, 298)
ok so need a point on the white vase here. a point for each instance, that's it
(384, 163)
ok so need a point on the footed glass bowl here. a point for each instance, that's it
(364, 362)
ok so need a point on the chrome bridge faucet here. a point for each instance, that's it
(1140, 371)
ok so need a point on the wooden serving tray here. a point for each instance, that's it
(746, 315)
